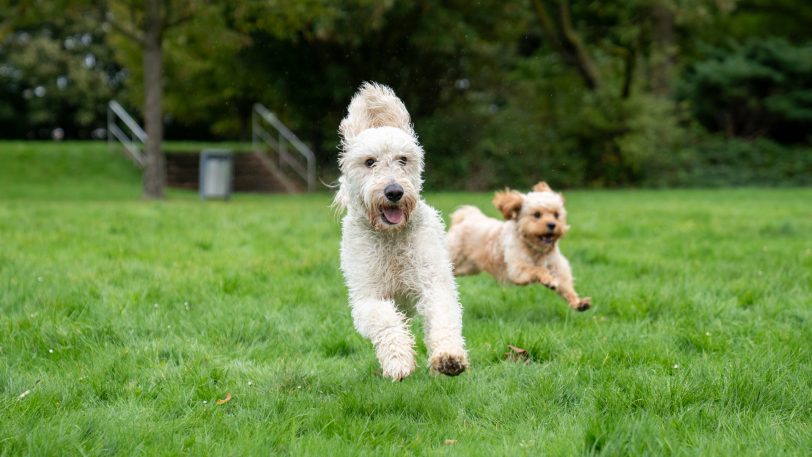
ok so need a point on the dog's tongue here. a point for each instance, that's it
(393, 215)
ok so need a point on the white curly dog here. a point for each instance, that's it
(393, 254)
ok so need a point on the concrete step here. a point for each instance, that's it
(250, 173)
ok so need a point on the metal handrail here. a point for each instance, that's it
(306, 171)
(133, 142)
(125, 141)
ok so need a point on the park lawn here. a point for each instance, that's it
(123, 322)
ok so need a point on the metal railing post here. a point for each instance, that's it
(254, 140)
(282, 150)
(311, 175)
(109, 130)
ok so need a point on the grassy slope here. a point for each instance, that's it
(126, 320)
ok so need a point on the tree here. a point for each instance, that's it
(146, 23)
(56, 72)
(563, 37)
(759, 88)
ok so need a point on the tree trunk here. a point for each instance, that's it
(155, 169)
(664, 49)
(629, 64)
(576, 49)
(565, 40)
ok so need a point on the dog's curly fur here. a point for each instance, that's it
(522, 250)
(392, 251)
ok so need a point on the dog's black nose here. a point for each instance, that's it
(393, 192)
(551, 225)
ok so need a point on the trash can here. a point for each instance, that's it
(215, 174)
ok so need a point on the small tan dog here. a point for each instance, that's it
(522, 250)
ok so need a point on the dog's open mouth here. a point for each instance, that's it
(392, 215)
(547, 239)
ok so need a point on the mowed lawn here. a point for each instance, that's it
(123, 322)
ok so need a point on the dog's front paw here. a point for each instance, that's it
(448, 363)
(584, 304)
(548, 281)
(395, 352)
(397, 368)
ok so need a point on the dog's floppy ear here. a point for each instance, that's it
(542, 186)
(508, 202)
(341, 199)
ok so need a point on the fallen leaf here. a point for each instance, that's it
(28, 391)
(450, 442)
(517, 354)
(517, 349)
(225, 400)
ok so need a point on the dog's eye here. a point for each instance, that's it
(369, 163)
(402, 160)
(537, 214)
(555, 215)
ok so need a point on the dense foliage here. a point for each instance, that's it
(56, 74)
(761, 88)
(648, 92)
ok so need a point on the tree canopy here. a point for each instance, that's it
(501, 92)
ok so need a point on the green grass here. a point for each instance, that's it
(125, 321)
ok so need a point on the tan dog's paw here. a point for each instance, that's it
(526, 280)
(584, 304)
(449, 364)
(548, 281)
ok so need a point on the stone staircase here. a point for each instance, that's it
(259, 171)
(253, 172)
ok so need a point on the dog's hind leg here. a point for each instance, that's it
(462, 265)
(387, 329)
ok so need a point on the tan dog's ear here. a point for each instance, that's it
(542, 186)
(508, 202)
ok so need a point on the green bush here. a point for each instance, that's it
(543, 125)
(759, 88)
(735, 162)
